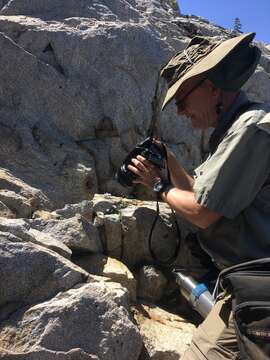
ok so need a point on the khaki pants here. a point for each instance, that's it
(215, 338)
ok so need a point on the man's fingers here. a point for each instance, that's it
(139, 165)
(134, 169)
(145, 171)
(145, 162)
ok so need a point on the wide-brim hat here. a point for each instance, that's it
(228, 64)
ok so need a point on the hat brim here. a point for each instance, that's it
(207, 63)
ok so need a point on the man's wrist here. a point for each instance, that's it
(161, 186)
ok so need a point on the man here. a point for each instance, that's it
(228, 198)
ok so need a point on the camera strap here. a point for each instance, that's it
(171, 259)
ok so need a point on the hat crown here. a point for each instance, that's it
(183, 61)
(227, 63)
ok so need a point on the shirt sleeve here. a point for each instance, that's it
(229, 180)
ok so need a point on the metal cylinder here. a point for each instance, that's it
(197, 294)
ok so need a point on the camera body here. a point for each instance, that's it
(148, 149)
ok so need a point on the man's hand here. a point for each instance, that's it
(180, 197)
(147, 173)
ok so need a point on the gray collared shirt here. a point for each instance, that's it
(233, 181)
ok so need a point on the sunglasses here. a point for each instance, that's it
(180, 103)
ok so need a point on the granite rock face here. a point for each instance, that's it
(71, 106)
(38, 145)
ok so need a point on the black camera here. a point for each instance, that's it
(148, 149)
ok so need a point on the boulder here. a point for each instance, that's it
(165, 336)
(111, 268)
(107, 218)
(23, 233)
(84, 208)
(91, 318)
(18, 204)
(125, 225)
(151, 283)
(50, 243)
(17, 227)
(76, 232)
(31, 273)
(16, 194)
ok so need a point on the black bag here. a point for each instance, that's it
(249, 284)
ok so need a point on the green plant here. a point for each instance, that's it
(237, 26)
